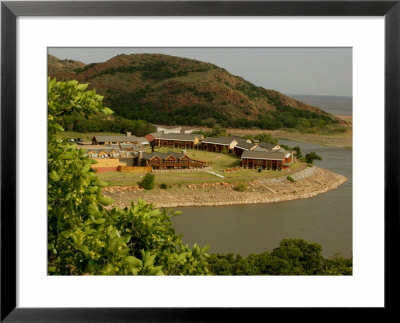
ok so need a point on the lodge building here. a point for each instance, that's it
(170, 160)
(266, 160)
(176, 140)
(218, 144)
(128, 139)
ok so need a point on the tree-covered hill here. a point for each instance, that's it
(174, 90)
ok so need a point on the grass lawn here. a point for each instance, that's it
(177, 179)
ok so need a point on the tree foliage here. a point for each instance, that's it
(292, 257)
(296, 148)
(147, 182)
(310, 157)
(147, 104)
(86, 238)
(99, 123)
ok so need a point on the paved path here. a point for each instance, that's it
(216, 174)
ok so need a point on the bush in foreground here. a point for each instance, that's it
(85, 238)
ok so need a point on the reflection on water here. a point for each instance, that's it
(325, 219)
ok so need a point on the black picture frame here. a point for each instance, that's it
(10, 10)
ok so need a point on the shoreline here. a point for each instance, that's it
(309, 183)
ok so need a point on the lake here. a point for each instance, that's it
(338, 105)
(254, 228)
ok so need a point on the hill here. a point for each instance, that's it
(174, 90)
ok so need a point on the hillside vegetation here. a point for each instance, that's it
(173, 90)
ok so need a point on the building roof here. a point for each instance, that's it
(112, 145)
(149, 137)
(143, 140)
(240, 139)
(147, 155)
(131, 146)
(267, 155)
(226, 141)
(176, 136)
(175, 154)
(162, 155)
(118, 138)
(168, 127)
(105, 149)
(245, 145)
(267, 145)
(258, 148)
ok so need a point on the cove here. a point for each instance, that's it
(254, 228)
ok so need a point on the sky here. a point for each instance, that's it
(309, 71)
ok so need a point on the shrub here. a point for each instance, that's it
(147, 182)
(163, 186)
(241, 187)
(310, 157)
(290, 179)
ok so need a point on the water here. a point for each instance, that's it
(325, 219)
(338, 105)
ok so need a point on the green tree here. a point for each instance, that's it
(302, 258)
(218, 132)
(147, 182)
(298, 150)
(292, 257)
(85, 238)
(310, 157)
(266, 137)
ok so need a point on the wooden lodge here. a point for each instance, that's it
(169, 160)
(218, 144)
(176, 140)
(266, 160)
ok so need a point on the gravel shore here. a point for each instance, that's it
(309, 183)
